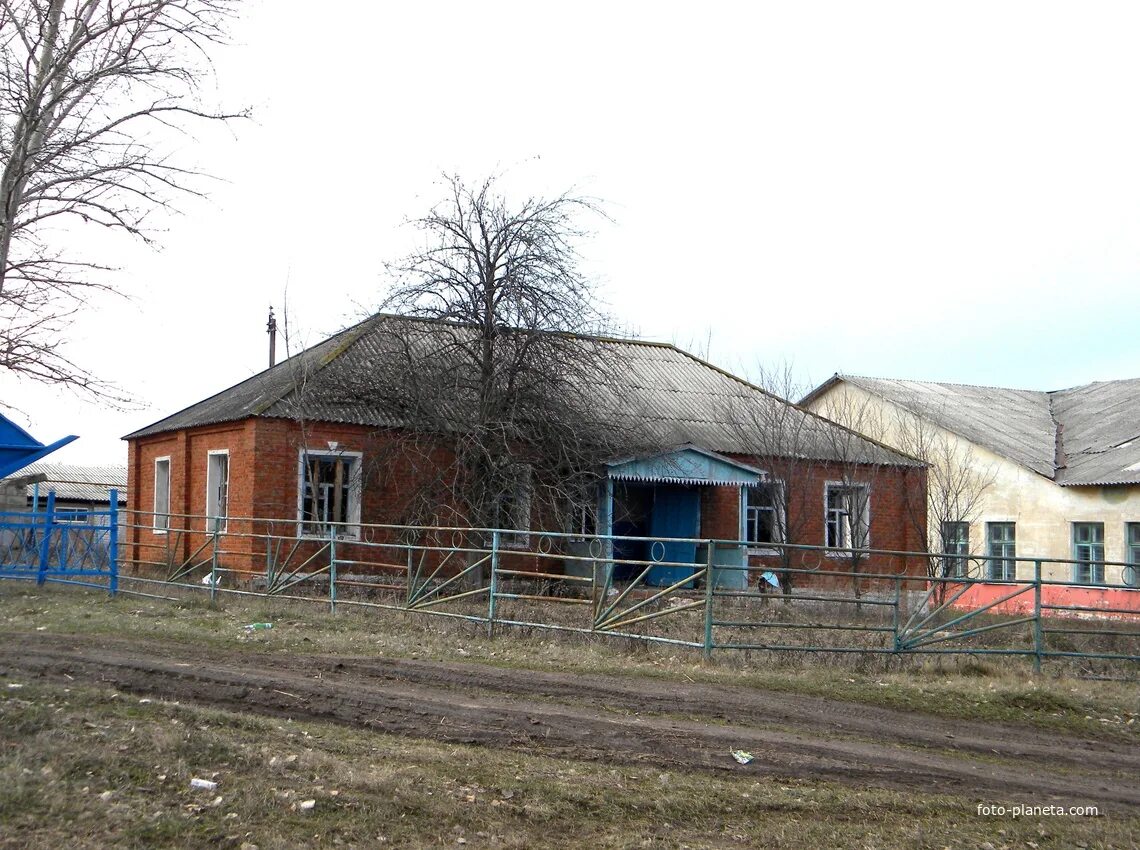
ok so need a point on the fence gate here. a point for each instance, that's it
(73, 547)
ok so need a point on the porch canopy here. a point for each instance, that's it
(686, 464)
(661, 499)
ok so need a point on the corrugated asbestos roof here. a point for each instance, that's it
(80, 483)
(674, 397)
(1085, 435)
(1100, 432)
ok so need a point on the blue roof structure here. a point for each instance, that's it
(18, 448)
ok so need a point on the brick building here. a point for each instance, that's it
(282, 453)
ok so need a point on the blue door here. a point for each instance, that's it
(676, 513)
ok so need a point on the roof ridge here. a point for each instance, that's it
(798, 407)
(847, 376)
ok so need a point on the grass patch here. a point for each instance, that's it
(86, 767)
(966, 688)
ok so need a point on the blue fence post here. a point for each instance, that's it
(113, 543)
(45, 544)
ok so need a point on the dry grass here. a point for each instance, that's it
(86, 767)
(999, 690)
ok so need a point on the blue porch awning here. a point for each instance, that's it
(685, 464)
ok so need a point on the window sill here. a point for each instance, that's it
(762, 552)
(846, 554)
(347, 538)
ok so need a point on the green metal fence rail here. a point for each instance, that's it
(870, 602)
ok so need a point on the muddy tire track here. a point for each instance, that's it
(609, 719)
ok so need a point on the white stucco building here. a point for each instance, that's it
(1063, 468)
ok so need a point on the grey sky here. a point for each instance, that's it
(948, 192)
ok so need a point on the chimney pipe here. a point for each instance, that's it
(271, 329)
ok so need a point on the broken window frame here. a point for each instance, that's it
(846, 527)
(350, 465)
(773, 507)
(217, 491)
(514, 512)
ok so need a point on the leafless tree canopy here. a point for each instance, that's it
(87, 88)
(957, 478)
(496, 377)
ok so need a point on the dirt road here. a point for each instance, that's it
(602, 718)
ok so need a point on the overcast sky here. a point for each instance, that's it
(936, 191)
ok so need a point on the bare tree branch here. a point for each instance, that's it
(84, 86)
(492, 373)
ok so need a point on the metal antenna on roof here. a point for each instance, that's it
(271, 329)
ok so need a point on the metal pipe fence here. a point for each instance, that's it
(705, 594)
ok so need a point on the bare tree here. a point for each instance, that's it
(956, 478)
(88, 90)
(492, 374)
(785, 439)
(848, 498)
(957, 483)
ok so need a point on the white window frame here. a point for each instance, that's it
(78, 516)
(156, 514)
(217, 521)
(845, 551)
(351, 531)
(780, 510)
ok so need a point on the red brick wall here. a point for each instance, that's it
(264, 477)
(897, 511)
(188, 451)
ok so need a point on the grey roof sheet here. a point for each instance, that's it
(1012, 423)
(1100, 432)
(79, 483)
(1096, 426)
(674, 397)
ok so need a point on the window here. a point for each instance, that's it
(764, 513)
(584, 520)
(78, 515)
(161, 494)
(1002, 548)
(513, 510)
(329, 494)
(847, 516)
(1131, 573)
(955, 548)
(1088, 552)
(217, 490)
